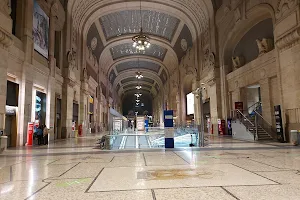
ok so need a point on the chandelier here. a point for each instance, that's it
(138, 95)
(141, 41)
(139, 75)
(137, 100)
(138, 87)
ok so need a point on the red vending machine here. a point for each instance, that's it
(221, 127)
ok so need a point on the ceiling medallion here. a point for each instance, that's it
(141, 41)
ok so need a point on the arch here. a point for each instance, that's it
(127, 39)
(131, 73)
(134, 58)
(255, 15)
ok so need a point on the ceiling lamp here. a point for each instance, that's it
(137, 100)
(141, 41)
(137, 104)
(138, 87)
(139, 75)
(138, 95)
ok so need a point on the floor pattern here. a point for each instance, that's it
(227, 170)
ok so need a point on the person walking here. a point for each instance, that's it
(45, 135)
(39, 132)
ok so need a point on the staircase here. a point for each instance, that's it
(260, 133)
(255, 124)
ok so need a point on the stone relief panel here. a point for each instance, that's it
(112, 77)
(284, 6)
(94, 42)
(209, 59)
(163, 76)
(183, 43)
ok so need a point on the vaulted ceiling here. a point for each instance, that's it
(107, 27)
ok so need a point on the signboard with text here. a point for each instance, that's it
(278, 121)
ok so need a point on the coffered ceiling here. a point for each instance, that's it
(108, 26)
(129, 22)
(127, 49)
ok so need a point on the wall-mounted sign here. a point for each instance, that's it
(238, 106)
(10, 110)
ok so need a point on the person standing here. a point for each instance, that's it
(39, 132)
(45, 135)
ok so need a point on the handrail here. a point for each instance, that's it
(265, 125)
(254, 105)
(262, 117)
(245, 117)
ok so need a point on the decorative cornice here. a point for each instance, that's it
(288, 40)
(5, 39)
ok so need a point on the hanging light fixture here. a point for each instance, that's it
(138, 95)
(137, 100)
(139, 73)
(138, 87)
(141, 41)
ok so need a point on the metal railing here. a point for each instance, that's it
(265, 125)
(154, 138)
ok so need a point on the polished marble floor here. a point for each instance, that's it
(225, 169)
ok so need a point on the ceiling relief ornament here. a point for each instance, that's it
(74, 35)
(92, 57)
(94, 43)
(283, 7)
(184, 45)
(84, 74)
(209, 59)
(71, 56)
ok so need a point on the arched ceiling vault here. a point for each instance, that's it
(185, 16)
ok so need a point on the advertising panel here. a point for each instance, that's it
(40, 30)
(140, 123)
(278, 120)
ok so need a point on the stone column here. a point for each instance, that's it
(215, 107)
(223, 92)
(183, 105)
(84, 107)
(5, 42)
(178, 109)
(3, 83)
(51, 101)
(67, 108)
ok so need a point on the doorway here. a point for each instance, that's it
(12, 98)
(253, 99)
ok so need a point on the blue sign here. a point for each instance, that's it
(168, 118)
(146, 124)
